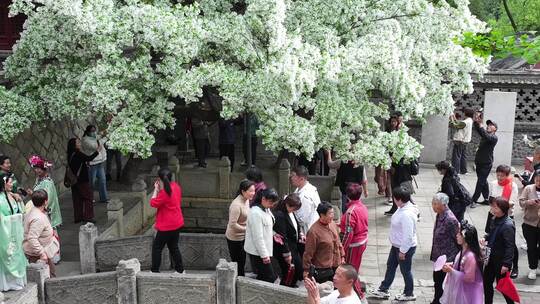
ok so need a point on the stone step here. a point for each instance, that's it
(29, 295)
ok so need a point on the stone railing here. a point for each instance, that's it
(128, 285)
(200, 251)
(249, 291)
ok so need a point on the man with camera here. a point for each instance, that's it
(484, 157)
(462, 137)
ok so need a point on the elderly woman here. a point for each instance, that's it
(444, 239)
(354, 227)
(12, 260)
(501, 239)
(530, 202)
(39, 241)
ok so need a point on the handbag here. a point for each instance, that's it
(70, 178)
(323, 274)
(288, 279)
(506, 287)
(53, 248)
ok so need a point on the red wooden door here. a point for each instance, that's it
(9, 27)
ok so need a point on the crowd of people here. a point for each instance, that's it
(299, 231)
(300, 234)
(29, 222)
(30, 218)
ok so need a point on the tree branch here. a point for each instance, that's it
(396, 17)
(509, 14)
(358, 23)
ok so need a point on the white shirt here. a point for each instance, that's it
(403, 228)
(333, 298)
(465, 134)
(293, 220)
(307, 214)
(495, 190)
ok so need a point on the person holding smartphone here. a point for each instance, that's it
(167, 199)
(530, 202)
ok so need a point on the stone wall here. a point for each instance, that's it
(251, 291)
(99, 288)
(526, 115)
(158, 288)
(48, 140)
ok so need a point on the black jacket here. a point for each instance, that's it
(484, 154)
(78, 162)
(401, 172)
(502, 250)
(284, 226)
(227, 132)
(347, 173)
(449, 181)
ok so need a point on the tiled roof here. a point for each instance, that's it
(528, 77)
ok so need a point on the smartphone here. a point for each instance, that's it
(311, 271)
(22, 192)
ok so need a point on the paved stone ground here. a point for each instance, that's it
(374, 260)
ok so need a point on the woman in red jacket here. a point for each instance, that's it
(167, 198)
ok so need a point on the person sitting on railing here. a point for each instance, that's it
(40, 242)
(344, 293)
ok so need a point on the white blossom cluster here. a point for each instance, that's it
(309, 70)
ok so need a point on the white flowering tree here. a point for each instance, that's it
(309, 70)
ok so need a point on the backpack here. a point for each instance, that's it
(462, 193)
(70, 178)
(414, 167)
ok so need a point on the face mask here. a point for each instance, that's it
(92, 134)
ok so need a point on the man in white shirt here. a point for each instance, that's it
(462, 137)
(344, 280)
(403, 239)
(309, 196)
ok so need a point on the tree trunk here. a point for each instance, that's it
(131, 170)
(509, 14)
